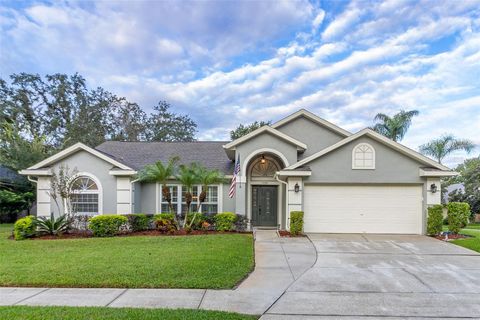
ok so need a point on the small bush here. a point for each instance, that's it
(241, 224)
(435, 219)
(25, 228)
(296, 222)
(458, 213)
(225, 221)
(138, 222)
(197, 223)
(106, 225)
(165, 222)
(53, 226)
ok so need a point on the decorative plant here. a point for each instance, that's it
(458, 213)
(435, 219)
(60, 187)
(106, 225)
(225, 221)
(296, 222)
(25, 228)
(187, 176)
(53, 226)
(206, 178)
(161, 173)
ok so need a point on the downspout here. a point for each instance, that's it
(286, 198)
(31, 180)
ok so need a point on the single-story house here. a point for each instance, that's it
(344, 182)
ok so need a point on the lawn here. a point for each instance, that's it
(84, 313)
(469, 243)
(204, 261)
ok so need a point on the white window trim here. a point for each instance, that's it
(99, 186)
(179, 203)
(354, 166)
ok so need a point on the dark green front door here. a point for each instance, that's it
(264, 206)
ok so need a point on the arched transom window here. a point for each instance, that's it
(363, 156)
(265, 168)
(85, 196)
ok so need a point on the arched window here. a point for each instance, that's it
(265, 168)
(363, 156)
(86, 195)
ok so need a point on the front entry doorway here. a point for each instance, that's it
(264, 206)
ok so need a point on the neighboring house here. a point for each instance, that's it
(345, 183)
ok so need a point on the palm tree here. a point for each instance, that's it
(161, 173)
(445, 145)
(205, 178)
(394, 127)
(187, 176)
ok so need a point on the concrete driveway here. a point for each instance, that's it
(378, 276)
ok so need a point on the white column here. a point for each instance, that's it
(44, 206)
(124, 193)
(295, 199)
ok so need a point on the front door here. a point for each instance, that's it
(264, 206)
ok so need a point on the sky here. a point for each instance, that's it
(231, 62)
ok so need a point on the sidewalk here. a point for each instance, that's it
(278, 263)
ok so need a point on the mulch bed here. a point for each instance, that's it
(284, 233)
(451, 236)
(152, 233)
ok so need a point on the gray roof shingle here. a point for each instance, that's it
(138, 154)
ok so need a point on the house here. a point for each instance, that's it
(344, 182)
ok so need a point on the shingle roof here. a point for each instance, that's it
(138, 154)
(8, 175)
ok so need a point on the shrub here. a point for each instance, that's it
(435, 219)
(241, 224)
(138, 221)
(106, 225)
(25, 228)
(458, 213)
(197, 223)
(53, 226)
(296, 222)
(165, 222)
(225, 221)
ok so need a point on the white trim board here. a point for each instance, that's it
(266, 129)
(378, 137)
(311, 116)
(72, 149)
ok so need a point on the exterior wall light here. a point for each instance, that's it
(296, 188)
(433, 188)
(263, 160)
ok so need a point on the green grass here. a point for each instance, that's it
(473, 226)
(89, 313)
(205, 261)
(469, 243)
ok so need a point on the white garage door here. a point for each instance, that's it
(363, 209)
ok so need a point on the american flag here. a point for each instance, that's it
(236, 171)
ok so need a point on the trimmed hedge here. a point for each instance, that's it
(435, 219)
(458, 213)
(296, 222)
(25, 228)
(106, 225)
(139, 221)
(225, 221)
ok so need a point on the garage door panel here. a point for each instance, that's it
(358, 209)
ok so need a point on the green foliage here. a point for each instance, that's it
(138, 221)
(165, 222)
(106, 225)
(445, 145)
(394, 127)
(196, 224)
(225, 221)
(296, 222)
(188, 176)
(242, 130)
(435, 219)
(458, 213)
(167, 126)
(53, 226)
(11, 203)
(469, 176)
(25, 228)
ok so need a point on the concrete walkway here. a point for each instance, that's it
(278, 263)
